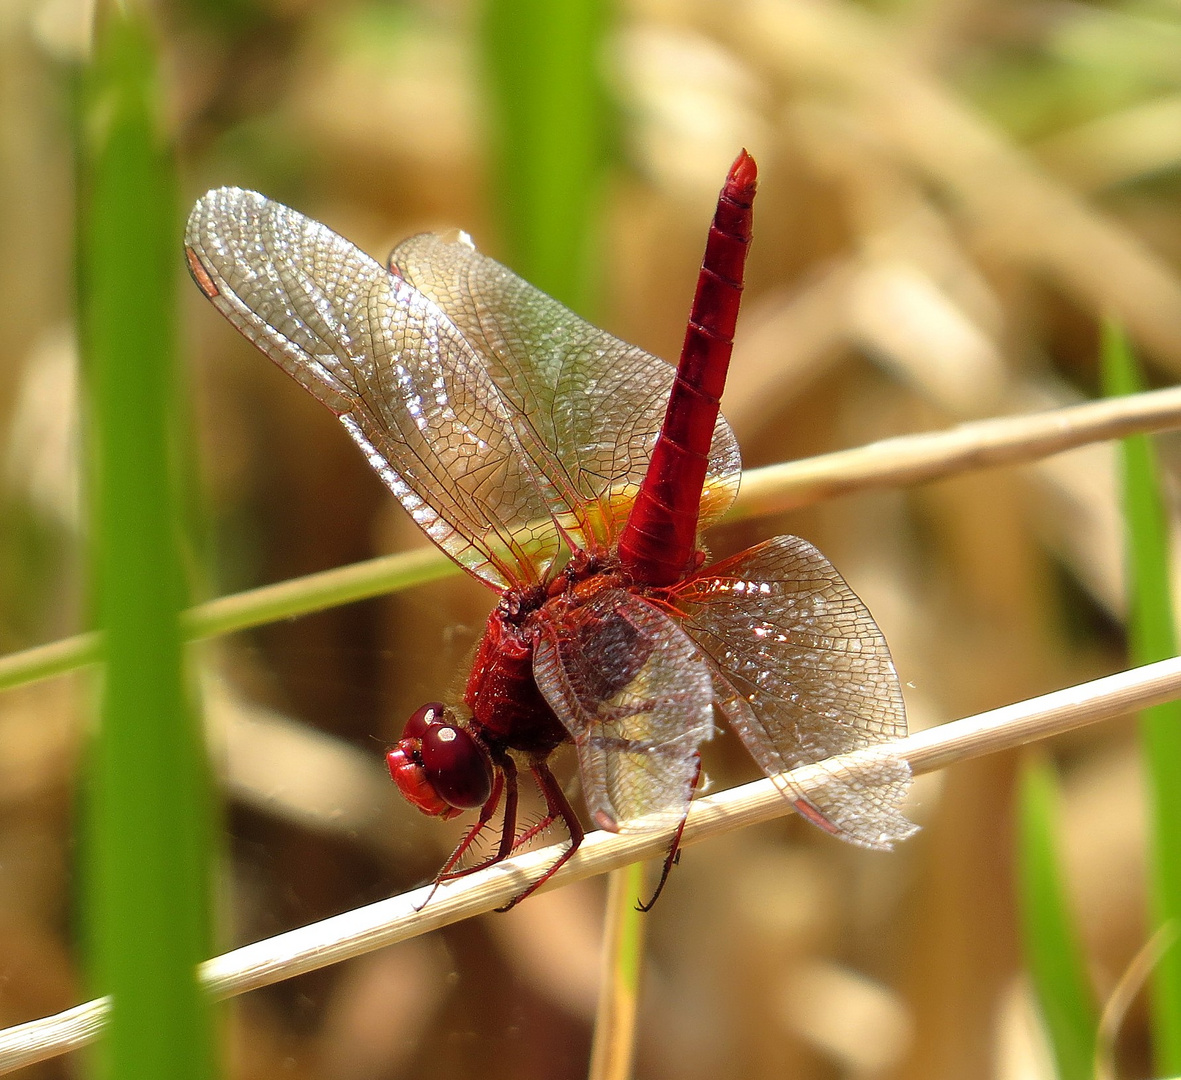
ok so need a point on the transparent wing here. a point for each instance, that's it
(636, 696)
(587, 406)
(804, 673)
(394, 368)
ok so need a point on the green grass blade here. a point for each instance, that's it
(1151, 636)
(550, 123)
(147, 909)
(1053, 952)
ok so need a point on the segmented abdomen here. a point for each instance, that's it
(660, 538)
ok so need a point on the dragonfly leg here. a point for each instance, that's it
(536, 830)
(674, 849)
(506, 783)
(557, 806)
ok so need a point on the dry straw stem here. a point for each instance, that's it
(389, 921)
(907, 459)
(1123, 995)
(914, 459)
(613, 1045)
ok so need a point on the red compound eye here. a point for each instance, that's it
(457, 766)
(439, 766)
(407, 772)
(423, 718)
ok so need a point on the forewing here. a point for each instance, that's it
(587, 406)
(394, 368)
(803, 674)
(636, 696)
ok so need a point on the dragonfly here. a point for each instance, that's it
(574, 474)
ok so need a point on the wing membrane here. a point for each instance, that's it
(803, 674)
(407, 386)
(635, 694)
(586, 405)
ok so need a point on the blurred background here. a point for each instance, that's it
(953, 193)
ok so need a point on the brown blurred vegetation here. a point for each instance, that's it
(953, 193)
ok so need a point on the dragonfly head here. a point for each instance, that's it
(439, 765)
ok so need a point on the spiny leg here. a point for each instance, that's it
(506, 781)
(557, 806)
(506, 778)
(536, 829)
(674, 849)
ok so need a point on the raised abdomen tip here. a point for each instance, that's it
(743, 174)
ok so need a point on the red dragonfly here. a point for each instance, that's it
(573, 473)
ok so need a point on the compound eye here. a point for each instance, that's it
(407, 772)
(457, 765)
(423, 718)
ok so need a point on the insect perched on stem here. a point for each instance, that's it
(573, 473)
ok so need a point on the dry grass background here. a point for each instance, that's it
(953, 192)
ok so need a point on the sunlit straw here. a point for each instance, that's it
(908, 459)
(398, 918)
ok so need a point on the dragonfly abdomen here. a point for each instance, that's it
(660, 537)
